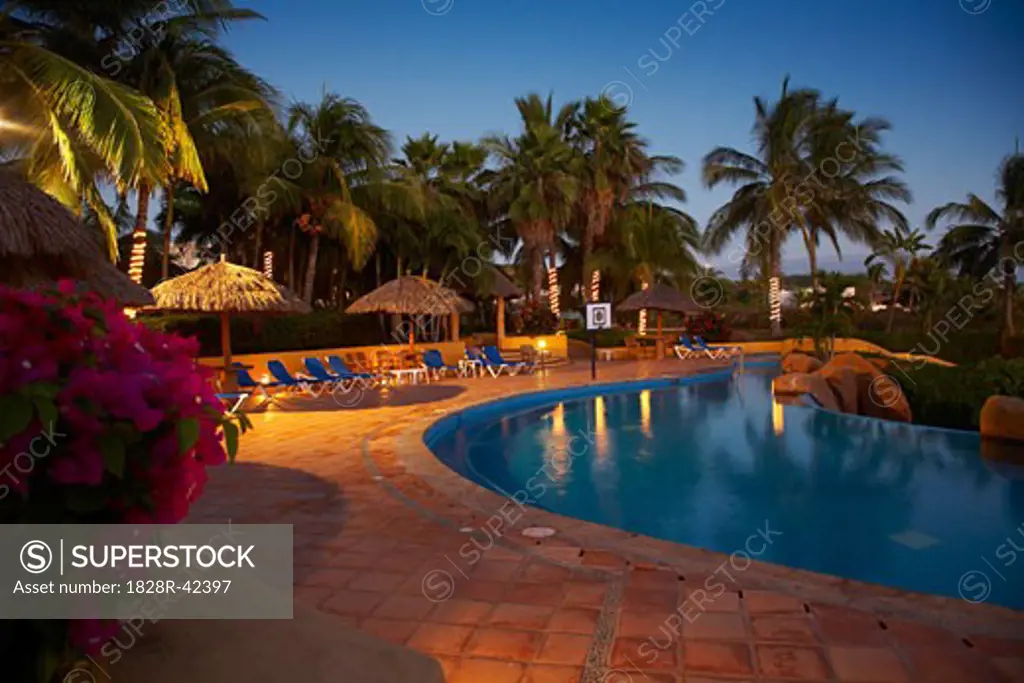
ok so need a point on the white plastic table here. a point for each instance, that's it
(471, 368)
(414, 375)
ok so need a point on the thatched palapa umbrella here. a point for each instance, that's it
(502, 288)
(42, 242)
(659, 297)
(411, 295)
(227, 289)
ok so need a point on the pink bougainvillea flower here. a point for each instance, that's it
(89, 635)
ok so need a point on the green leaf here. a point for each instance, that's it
(188, 434)
(42, 390)
(46, 409)
(231, 439)
(114, 455)
(15, 415)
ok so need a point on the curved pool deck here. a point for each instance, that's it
(396, 543)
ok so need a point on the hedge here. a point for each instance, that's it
(952, 397)
(263, 334)
(961, 346)
(604, 338)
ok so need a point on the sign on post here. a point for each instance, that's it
(599, 316)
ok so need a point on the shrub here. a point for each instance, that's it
(709, 326)
(603, 338)
(264, 334)
(961, 346)
(128, 423)
(533, 318)
(953, 396)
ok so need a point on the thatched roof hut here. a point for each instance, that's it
(659, 297)
(227, 289)
(42, 242)
(499, 285)
(411, 295)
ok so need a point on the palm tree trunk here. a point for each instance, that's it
(380, 316)
(537, 258)
(1009, 292)
(165, 267)
(314, 248)
(895, 299)
(138, 257)
(588, 247)
(257, 261)
(341, 288)
(555, 294)
(291, 259)
(774, 294)
(812, 256)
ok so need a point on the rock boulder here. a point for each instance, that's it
(1002, 417)
(798, 383)
(800, 362)
(843, 382)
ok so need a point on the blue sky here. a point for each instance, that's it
(948, 80)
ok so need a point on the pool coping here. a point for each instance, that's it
(470, 504)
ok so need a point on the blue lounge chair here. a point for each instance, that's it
(436, 366)
(232, 400)
(316, 370)
(342, 370)
(716, 351)
(495, 363)
(687, 351)
(281, 374)
(247, 383)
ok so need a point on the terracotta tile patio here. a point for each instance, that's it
(381, 542)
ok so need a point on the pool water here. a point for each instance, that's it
(710, 461)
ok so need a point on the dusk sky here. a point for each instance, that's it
(946, 73)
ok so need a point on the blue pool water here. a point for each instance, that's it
(708, 461)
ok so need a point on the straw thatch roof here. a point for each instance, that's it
(42, 242)
(98, 276)
(411, 295)
(490, 282)
(659, 297)
(226, 288)
(501, 285)
(33, 224)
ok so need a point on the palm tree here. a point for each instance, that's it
(803, 181)
(650, 243)
(615, 167)
(830, 314)
(980, 239)
(932, 286)
(67, 126)
(214, 104)
(184, 63)
(761, 207)
(445, 176)
(899, 248)
(843, 193)
(346, 183)
(535, 185)
(876, 275)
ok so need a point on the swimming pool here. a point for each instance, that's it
(709, 460)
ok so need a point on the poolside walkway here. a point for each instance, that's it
(393, 544)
